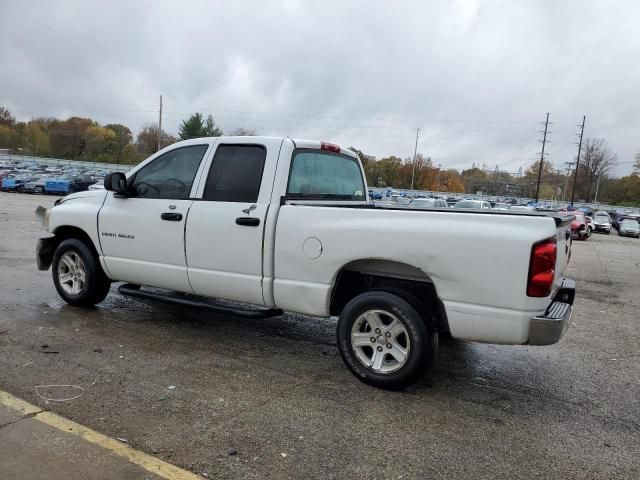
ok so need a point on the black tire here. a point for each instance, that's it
(422, 340)
(96, 285)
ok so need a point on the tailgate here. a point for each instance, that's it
(563, 239)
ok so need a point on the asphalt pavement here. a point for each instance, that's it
(234, 398)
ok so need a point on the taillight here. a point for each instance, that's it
(542, 268)
(331, 147)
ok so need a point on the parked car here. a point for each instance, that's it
(629, 228)
(475, 204)
(80, 183)
(602, 222)
(521, 208)
(502, 206)
(428, 203)
(14, 183)
(375, 195)
(35, 184)
(579, 228)
(589, 221)
(286, 225)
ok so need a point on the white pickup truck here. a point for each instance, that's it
(286, 225)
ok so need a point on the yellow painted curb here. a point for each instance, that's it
(148, 462)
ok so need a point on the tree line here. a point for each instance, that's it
(79, 138)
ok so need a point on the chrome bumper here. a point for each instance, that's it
(549, 328)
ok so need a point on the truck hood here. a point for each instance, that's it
(91, 195)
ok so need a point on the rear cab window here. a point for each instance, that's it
(323, 175)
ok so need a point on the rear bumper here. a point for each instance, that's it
(549, 328)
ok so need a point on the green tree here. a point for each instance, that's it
(67, 137)
(99, 144)
(123, 137)
(35, 140)
(6, 136)
(197, 126)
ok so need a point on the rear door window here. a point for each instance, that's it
(236, 174)
(322, 175)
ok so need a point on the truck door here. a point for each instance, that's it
(142, 235)
(226, 224)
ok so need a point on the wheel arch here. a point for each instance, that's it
(408, 282)
(64, 232)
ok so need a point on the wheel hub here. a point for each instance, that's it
(380, 341)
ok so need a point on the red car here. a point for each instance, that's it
(579, 227)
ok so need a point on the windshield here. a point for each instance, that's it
(602, 217)
(629, 223)
(322, 175)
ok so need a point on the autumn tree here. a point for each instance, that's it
(147, 140)
(450, 181)
(197, 126)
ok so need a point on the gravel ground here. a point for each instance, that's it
(276, 392)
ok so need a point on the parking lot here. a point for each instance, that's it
(238, 398)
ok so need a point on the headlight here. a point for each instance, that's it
(43, 214)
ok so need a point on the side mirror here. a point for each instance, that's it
(116, 182)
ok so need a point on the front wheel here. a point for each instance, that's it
(384, 341)
(78, 275)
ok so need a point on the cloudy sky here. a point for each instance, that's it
(476, 77)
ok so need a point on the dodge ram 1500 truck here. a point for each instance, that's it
(286, 225)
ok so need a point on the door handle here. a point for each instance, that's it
(172, 217)
(248, 221)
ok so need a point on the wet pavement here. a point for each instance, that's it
(188, 385)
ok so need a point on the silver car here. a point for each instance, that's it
(602, 222)
(629, 228)
(476, 204)
(428, 203)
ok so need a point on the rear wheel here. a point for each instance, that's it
(77, 274)
(384, 341)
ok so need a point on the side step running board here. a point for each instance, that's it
(134, 291)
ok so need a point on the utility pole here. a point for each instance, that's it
(575, 177)
(595, 199)
(544, 142)
(159, 124)
(415, 154)
(566, 180)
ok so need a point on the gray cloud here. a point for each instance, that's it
(475, 76)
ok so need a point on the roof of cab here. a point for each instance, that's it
(298, 142)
